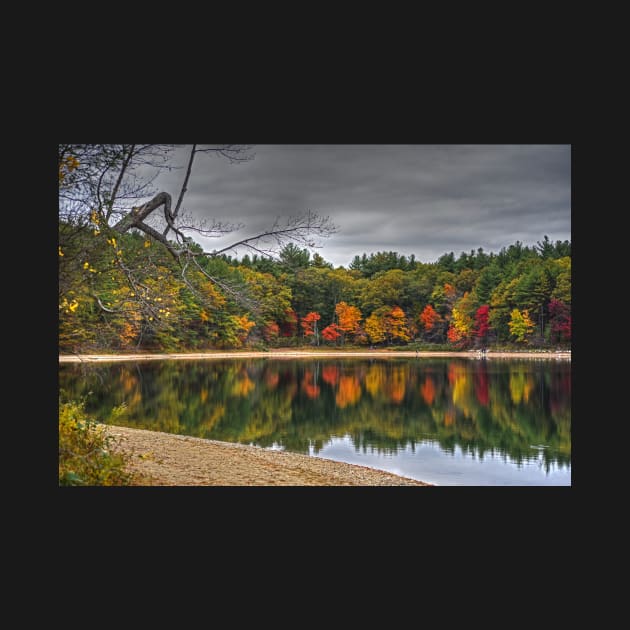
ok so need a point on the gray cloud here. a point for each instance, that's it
(420, 199)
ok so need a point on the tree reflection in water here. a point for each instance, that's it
(503, 407)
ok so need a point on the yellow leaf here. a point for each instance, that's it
(60, 252)
(147, 243)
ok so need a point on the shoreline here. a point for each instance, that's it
(167, 459)
(304, 354)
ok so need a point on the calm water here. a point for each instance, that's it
(446, 421)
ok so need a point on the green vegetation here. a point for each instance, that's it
(126, 293)
(85, 456)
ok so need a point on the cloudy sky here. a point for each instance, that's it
(425, 200)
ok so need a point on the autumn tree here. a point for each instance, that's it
(429, 319)
(397, 325)
(375, 325)
(482, 325)
(387, 324)
(349, 318)
(560, 321)
(521, 326)
(454, 335)
(331, 332)
(461, 327)
(444, 296)
(309, 325)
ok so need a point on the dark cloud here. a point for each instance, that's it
(424, 199)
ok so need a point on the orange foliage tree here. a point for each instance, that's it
(349, 318)
(429, 318)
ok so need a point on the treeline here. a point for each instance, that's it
(125, 292)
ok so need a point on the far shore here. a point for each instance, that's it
(306, 354)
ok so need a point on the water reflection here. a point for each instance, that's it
(518, 409)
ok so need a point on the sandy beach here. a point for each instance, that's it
(162, 459)
(301, 354)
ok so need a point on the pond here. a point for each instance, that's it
(448, 421)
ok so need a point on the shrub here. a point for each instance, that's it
(85, 456)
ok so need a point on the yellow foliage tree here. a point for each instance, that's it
(397, 325)
(521, 326)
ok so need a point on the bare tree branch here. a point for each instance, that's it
(299, 229)
(121, 175)
(116, 176)
(184, 186)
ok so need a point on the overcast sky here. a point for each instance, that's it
(425, 200)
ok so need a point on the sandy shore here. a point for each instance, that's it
(162, 459)
(302, 354)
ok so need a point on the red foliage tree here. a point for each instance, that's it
(482, 323)
(560, 319)
(309, 324)
(429, 317)
(331, 333)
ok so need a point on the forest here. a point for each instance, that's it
(132, 277)
(518, 297)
